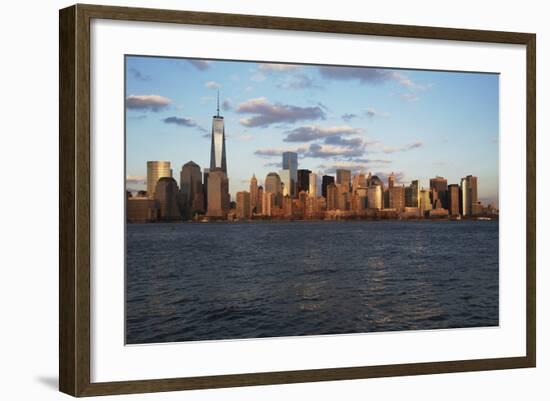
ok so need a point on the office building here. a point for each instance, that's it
(412, 195)
(217, 147)
(192, 193)
(391, 180)
(468, 191)
(425, 201)
(453, 199)
(438, 185)
(254, 195)
(396, 197)
(374, 197)
(218, 202)
(303, 180)
(358, 181)
(166, 194)
(343, 176)
(290, 163)
(243, 205)
(155, 171)
(313, 185)
(325, 181)
(286, 182)
(140, 209)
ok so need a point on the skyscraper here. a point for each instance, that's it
(191, 188)
(254, 194)
(391, 181)
(343, 176)
(439, 187)
(290, 163)
(358, 181)
(468, 191)
(453, 199)
(326, 180)
(273, 186)
(217, 149)
(303, 180)
(396, 197)
(243, 205)
(286, 181)
(374, 196)
(166, 194)
(218, 194)
(425, 202)
(412, 194)
(313, 185)
(155, 171)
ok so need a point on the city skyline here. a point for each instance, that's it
(289, 111)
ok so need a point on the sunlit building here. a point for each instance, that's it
(217, 148)
(453, 199)
(155, 171)
(273, 185)
(425, 201)
(358, 181)
(290, 164)
(412, 195)
(286, 182)
(141, 209)
(268, 203)
(332, 196)
(374, 196)
(254, 194)
(243, 205)
(313, 185)
(391, 180)
(218, 194)
(343, 176)
(396, 197)
(468, 190)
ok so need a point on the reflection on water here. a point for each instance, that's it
(248, 280)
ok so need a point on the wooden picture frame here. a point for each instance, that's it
(74, 199)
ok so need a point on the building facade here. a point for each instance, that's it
(166, 195)
(155, 171)
(303, 180)
(290, 163)
(243, 205)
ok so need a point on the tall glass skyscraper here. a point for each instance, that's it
(217, 149)
(290, 163)
(155, 171)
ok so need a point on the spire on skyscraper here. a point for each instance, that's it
(218, 112)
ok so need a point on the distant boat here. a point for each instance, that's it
(484, 218)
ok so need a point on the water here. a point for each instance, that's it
(216, 281)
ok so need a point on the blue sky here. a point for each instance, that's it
(417, 124)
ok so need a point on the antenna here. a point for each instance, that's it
(218, 103)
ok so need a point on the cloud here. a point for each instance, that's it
(299, 81)
(270, 152)
(138, 75)
(135, 179)
(212, 85)
(372, 161)
(370, 112)
(391, 149)
(339, 141)
(267, 113)
(355, 165)
(313, 132)
(227, 105)
(200, 65)
(183, 122)
(366, 75)
(274, 67)
(408, 97)
(348, 117)
(274, 164)
(153, 103)
(330, 151)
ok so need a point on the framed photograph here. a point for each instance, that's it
(250, 200)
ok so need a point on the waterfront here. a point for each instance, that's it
(268, 279)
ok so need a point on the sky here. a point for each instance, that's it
(416, 124)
